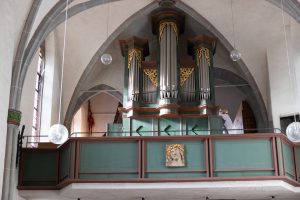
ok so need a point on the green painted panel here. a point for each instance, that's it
(176, 175)
(114, 129)
(126, 126)
(95, 176)
(169, 126)
(143, 126)
(288, 159)
(216, 124)
(40, 165)
(242, 154)
(108, 156)
(194, 155)
(239, 174)
(297, 154)
(64, 164)
(197, 126)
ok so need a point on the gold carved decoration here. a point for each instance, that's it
(163, 25)
(152, 74)
(134, 53)
(175, 155)
(185, 74)
(200, 52)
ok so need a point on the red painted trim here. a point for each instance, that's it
(77, 160)
(244, 170)
(40, 179)
(185, 137)
(57, 166)
(174, 106)
(144, 158)
(108, 172)
(283, 163)
(274, 155)
(206, 157)
(140, 158)
(174, 171)
(296, 164)
(211, 164)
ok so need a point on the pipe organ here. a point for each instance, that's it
(166, 95)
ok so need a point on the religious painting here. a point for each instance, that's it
(175, 155)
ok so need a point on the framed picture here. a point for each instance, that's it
(175, 155)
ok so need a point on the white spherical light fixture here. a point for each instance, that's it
(106, 59)
(293, 131)
(58, 134)
(235, 55)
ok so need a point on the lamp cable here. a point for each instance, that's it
(63, 61)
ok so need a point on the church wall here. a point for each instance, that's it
(284, 85)
(44, 8)
(104, 109)
(27, 99)
(82, 37)
(12, 17)
(50, 103)
(84, 117)
(255, 29)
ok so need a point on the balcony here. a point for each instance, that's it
(138, 159)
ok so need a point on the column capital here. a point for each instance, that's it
(14, 117)
(169, 15)
(134, 43)
(201, 41)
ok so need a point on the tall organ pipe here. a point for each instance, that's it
(168, 60)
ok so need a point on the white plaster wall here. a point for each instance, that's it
(84, 117)
(44, 8)
(76, 122)
(284, 79)
(82, 43)
(51, 93)
(229, 98)
(27, 99)
(257, 25)
(12, 18)
(103, 107)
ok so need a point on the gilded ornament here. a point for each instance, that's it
(134, 53)
(163, 25)
(200, 52)
(152, 74)
(185, 74)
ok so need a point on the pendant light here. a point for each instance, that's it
(235, 55)
(58, 133)
(106, 58)
(293, 129)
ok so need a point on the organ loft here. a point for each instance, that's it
(168, 95)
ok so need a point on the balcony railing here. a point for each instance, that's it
(220, 157)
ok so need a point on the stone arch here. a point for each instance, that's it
(53, 18)
(261, 112)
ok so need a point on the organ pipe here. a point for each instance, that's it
(168, 38)
(202, 48)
